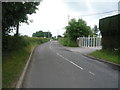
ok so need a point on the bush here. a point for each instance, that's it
(11, 43)
(110, 29)
(68, 42)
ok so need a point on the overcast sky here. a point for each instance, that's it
(53, 14)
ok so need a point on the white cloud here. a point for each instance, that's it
(53, 16)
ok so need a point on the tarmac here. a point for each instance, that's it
(83, 50)
(87, 50)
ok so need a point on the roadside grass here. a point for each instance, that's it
(109, 55)
(15, 57)
(67, 42)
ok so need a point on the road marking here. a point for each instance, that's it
(50, 45)
(91, 73)
(76, 65)
(70, 61)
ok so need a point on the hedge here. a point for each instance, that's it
(110, 29)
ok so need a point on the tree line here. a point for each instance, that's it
(42, 34)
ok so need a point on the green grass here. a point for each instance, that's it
(68, 42)
(108, 55)
(15, 55)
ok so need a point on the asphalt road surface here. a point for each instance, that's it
(53, 66)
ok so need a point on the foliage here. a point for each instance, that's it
(14, 13)
(15, 54)
(95, 30)
(110, 29)
(77, 28)
(59, 36)
(11, 43)
(54, 38)
(107, 54)
(42, 34)
(68, 42)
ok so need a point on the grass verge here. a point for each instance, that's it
(15, 56)
(68, 42)
(109, 55)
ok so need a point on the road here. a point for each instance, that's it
(53, 66)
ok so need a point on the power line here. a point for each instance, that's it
(98, 13)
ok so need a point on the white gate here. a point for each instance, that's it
(89, 41)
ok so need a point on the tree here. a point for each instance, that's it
(95, 30)
(59, 36)
(42, 34)
(77, 29)
(15, 13)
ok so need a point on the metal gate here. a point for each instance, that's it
(89, 41)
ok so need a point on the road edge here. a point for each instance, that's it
(102, 60)
(20, 81)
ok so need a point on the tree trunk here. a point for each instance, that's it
(17, 29)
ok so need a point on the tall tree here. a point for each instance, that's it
(95, 30)
(77, 28)
(14, 13)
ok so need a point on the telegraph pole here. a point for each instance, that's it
(119, 7)
(68, 18)
(48, 34)
(58, 32)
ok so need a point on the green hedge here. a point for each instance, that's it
(110, 29)
(12, 43)
(68, 42)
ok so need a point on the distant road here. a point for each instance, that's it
(53, 66)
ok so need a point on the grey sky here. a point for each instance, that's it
(97, 6)
(53, 14)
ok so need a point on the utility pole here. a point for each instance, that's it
(44, 34)
(48, 34)
(119, 7)
(58, 32)
(68, 18)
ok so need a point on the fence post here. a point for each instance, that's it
(81, 41)
(96, 41)
(89, 41)
(93, 41)
(84, 41)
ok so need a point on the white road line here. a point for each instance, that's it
(50, 45)
(70, 61)
(76, 65)
(63, 57)
(91, 73)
